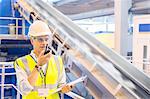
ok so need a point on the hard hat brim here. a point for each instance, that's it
(39, 34)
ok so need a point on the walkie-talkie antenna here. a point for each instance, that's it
(47, 49)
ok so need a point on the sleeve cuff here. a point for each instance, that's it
(25, 87)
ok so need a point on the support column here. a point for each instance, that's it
(121, 25)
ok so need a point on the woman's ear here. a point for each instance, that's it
(31, 40)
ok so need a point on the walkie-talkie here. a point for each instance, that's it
(47, 49)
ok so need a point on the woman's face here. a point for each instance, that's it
(39, 43)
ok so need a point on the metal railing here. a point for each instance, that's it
(3, 67)
(12, 28)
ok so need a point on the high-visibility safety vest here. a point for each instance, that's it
(51, 80)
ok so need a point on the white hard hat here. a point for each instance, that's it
(39, 28)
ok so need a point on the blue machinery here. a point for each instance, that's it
(108, 74)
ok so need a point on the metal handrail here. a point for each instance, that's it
(16, 28)
(3, 66)
(13, 87)
(6, 18)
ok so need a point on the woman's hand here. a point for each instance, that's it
(66, 88)
(43, 59)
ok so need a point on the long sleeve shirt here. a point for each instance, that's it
(22, 77)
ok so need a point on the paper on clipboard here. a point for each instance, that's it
(81, 79)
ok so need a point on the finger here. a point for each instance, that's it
(48, 55)
(64, 88)
(42, 53)
(68, 87)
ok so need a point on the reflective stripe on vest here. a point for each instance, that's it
(60, 74)
(25, 62)
(49, 86)
(58, 65)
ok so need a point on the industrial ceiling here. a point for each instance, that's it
(92, 8)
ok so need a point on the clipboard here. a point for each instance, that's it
(81, 79)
